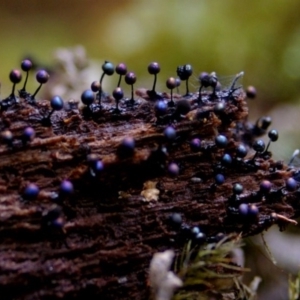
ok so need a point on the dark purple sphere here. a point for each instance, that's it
(95, 86)
(15, 76)
(66, 188)
(42, 76)
(173, 169)
(28, 134)
(291, 184)
(31, 191)
(160, 108)
(265, 186)
(118, 93)
(26, 65)
(170, 133)
(154, 68)
(130, 78)
(121, 69)
(195, 145)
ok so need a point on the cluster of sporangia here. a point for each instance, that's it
(167, 110)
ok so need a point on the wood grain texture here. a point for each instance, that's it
(110, 229)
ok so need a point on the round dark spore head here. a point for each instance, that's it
(108, 68)
(126, 148)
(291, 184)
(265, 186)
(118, 93)
(26, 65)
(28, 134)
(31, 191)
(221, 141)
(130, 78)
(226, 159)
(241, 151)
(195, 145)
(171, 83)
(184, 72)
(57, 103)
(219, 179)
(204, 79)
(173, 169)
(182, 107)
(237, 189)
(153, 68)
(243, 209)
(253, 211)
(259, 146)
(42, 76)
(175, 220)
(170, 133)
(15, 76)
(87, 97)
(213, 80)
(251, 92)
(121, 69)
(178, 81)
(95, 86)
(160, 108)
(273, 135)
(265, 122)
(66, 188)
(200, 238)
(97, 166)
(219, 107)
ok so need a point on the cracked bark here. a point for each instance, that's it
(111, 230)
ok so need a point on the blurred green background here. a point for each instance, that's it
(260, 37)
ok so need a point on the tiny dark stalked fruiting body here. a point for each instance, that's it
(171, 84)
(130, 79)
(184, 73)
(118, 94)
(108, 69)
(121, 69)
(26, 66)
(153, 69)
(42, 77)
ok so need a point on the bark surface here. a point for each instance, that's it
(116, 220)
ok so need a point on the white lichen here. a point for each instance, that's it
(163, 281)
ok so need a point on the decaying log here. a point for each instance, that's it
(98, 242)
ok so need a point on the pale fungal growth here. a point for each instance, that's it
(150, 192)
(163, 281)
